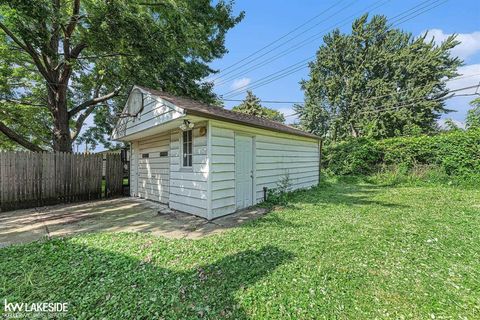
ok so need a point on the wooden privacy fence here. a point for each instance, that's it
(29, 179)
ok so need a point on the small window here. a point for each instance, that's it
(187, 148)
(163, 153)
(145, 155)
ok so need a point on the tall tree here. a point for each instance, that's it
(377, 81)
(74, 58)
(251, 105)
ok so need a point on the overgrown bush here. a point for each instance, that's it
(352, 157)
(455, 153)
(279, 195)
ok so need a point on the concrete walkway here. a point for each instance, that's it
(115, 215)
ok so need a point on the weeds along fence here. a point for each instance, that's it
(29, 179)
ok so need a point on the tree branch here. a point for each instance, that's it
(18, 139)
(73, 19)
(75, 52)
(26, 103)
(106, 56)
(13, 37)
(81, 119)
(91, 102)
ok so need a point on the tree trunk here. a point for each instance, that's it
(61, 132)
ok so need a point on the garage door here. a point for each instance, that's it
(154, 168)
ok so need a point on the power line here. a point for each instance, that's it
(413, 101)
(298, 45)
(307, 41)
(282, 37)
(285, 71)
(267, 101)
(282, 44)
(368, 99)
(410, 89)
(274, 76)
(231, 93)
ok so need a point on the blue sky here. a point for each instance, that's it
(267, 20)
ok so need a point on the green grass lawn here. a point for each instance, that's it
(342, 250)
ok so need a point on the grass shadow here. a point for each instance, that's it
(98, 283)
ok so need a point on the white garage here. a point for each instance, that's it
(207, 160)
(154, 168)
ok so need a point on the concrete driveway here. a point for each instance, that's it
(115, 215)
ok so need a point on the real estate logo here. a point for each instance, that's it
(18, 310)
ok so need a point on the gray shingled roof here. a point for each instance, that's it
(209, 111)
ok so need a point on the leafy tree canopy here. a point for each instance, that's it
(62, 61)
(251, 105)
(376, 82)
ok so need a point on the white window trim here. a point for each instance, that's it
(181, 151)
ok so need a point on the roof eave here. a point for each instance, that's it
(215, 117)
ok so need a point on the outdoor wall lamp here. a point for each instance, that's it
(186, 125)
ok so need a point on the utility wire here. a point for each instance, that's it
(266, 101)
(410, 89)
(282, 44)
(414, 101)
(275, 76)
(296, 46)
(367, 99)
(283, 72)
(281, 38)
(307, 41)
(397, 22)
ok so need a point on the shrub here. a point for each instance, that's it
(351, 157)
(279, 195)
(455, 153)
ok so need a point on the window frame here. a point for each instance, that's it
(183, 154)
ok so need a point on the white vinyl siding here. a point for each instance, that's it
(275, 155)
(223, 171)
(188, 185)
(153, 169)
(134, 169)
(279, 157)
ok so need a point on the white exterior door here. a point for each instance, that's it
(243, 171)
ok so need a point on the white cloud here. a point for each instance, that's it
(240, 83)
(469, 42)
(289, 113)
(468, 76)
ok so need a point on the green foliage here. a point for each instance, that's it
(62, 54)
(28, 117)
(274, 115)
(457, 153)
(451, 125)
(339, 251)
(403, 175)
(280, 194)
(376, 82)
(473, 115)
(351, 157)
(251, 105)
